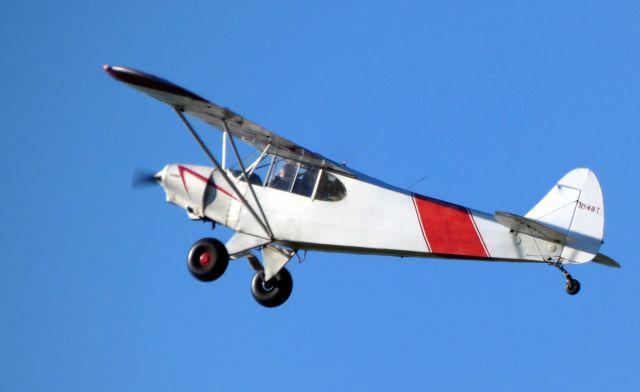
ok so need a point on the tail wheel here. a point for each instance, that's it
(208, 259)
(274, 292)
(572, 287)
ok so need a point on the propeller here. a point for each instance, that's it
(142, 178)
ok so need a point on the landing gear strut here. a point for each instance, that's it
(572, 287)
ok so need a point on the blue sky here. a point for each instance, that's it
(491, 102)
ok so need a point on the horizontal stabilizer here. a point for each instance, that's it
(528, 226)
(605, 260)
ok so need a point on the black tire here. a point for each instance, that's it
(208, 259)
(572, 287)
(273, 293)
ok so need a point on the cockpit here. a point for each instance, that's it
(295, 177)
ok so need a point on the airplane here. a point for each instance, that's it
(291, 200)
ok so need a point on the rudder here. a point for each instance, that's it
(574, 206)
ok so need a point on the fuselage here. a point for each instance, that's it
(370, 217)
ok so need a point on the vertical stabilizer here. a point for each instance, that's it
(574, 206)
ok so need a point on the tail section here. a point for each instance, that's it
(574, 207)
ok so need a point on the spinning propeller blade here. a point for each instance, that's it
(142, 178)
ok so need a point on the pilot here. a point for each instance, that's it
(284, 178)
(306, 181)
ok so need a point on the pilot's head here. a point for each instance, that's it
(287, 170)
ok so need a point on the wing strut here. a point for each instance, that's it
(255, 164)
(246, 178)
(224, 173)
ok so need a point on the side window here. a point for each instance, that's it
(283, 174)
(330, 188)
(291, 176)
(305, 180)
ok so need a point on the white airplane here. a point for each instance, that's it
(291, 199)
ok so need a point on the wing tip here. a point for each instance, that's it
(108, 69)
(138, 78)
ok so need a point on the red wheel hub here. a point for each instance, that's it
(205, 258)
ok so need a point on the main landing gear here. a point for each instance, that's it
(208, 260)
(572, 286)
(273, 292)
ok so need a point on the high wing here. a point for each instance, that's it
(248, 131)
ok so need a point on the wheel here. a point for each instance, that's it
(208, 259)
(274, 292)
(572, 287)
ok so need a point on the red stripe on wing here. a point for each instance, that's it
(448, 228)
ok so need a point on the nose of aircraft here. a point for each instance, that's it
(161, 175)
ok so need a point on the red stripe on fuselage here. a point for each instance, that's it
(448, 228)
(182, 169)
(424, 234)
